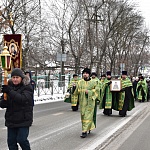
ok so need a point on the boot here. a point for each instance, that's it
(89, 131)
(84, 134)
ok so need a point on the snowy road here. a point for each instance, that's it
(56, 127)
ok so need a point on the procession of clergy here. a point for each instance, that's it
(110, 93)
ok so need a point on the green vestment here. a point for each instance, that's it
(142, 90)
(100, 85)
(87, 103)
(124, 99)
(73, 99)
(106, 96)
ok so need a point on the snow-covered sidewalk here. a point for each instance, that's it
(48, 98)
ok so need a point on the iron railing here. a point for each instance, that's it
(51, 87)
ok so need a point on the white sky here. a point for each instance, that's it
(144, 7)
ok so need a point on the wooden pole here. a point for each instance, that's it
(5, 83)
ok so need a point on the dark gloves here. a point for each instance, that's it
(6, 89)
(122, 90)
(3, 103)
(109, 82)
(140, 86)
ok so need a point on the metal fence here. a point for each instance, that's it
(51, 87)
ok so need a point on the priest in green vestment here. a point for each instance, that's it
(73, 99)
(97, 80)
(94, 77)
(142, 89)
(100, 85)
(87, 91)
(106, 100)
(124, 101)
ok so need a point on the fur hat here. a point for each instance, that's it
(17, 72)
(140, 74)
(124, 72)
(87, 70)
(142, 78)
(75, 75)
(103, 75)
(29, 72)
(108, 73)
(94, 73)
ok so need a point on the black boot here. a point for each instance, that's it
(84, 134)
(122, 113)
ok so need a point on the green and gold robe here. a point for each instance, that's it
(87, 103)
(106, 102)
(100, 85)
(125, 100)
(73, 99)
(142, 90)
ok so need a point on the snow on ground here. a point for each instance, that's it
(47, 99)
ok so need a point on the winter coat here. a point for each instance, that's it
(19, 107)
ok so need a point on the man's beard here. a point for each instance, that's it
(109, 78)
(86, 78)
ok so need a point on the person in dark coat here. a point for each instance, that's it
(28, 73)
(134, 87)
(19, 110)
(32, 82)
(148, 91)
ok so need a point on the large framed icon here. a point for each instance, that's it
(115, 85)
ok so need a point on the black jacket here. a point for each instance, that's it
(19, 107)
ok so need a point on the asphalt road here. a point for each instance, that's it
(140, 139)
(57, 127)
(135, 134)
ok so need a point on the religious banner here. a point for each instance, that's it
(14, 44)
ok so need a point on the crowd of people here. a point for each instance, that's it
(90, 91)
(107, 93)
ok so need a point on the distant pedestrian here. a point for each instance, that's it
(134, 87)
(148, 91)
(29, 74)
(19, 110)
(86, 89)
(32, 82)
(142, 89)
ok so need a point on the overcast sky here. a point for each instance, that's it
(144, 7)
